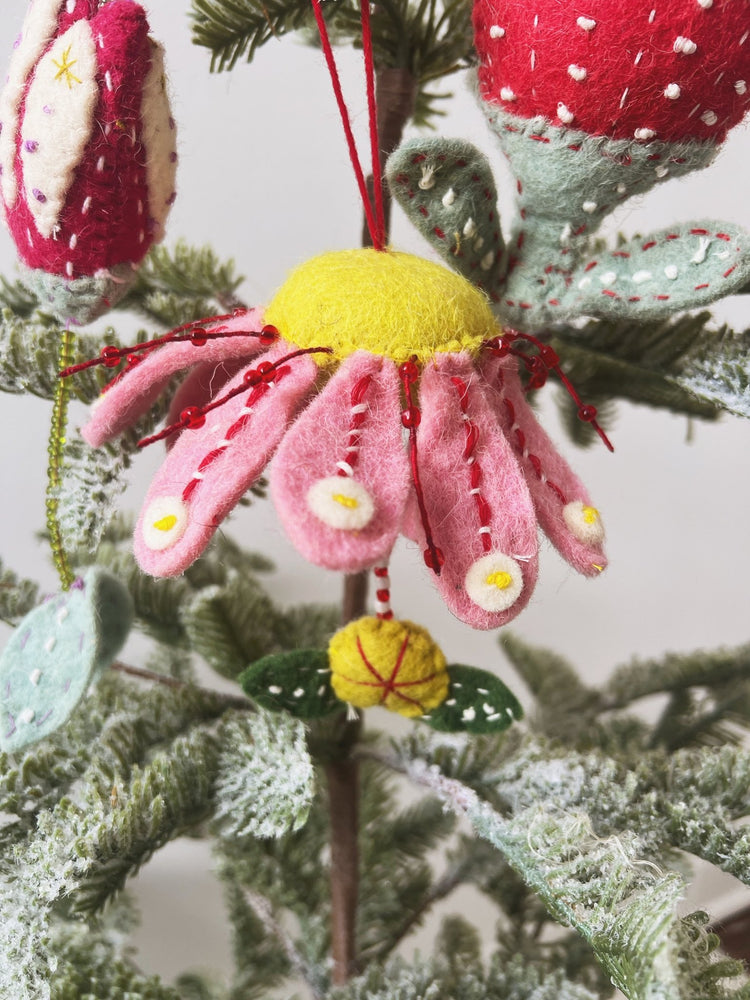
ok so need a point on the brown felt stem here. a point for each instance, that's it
(395, 93)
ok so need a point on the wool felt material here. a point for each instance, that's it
(477, 499)
(87, 149)
(55, 654)
(210, 468)
(391, 304)
(673, 70)
(477, 703)
(562, 504)
(345, 479)
(340, 479)
(297, 682)
(127, 399)
(395, 664)
(544, 275)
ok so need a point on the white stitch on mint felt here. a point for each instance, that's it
(35, 676)
(470, 228)
(159, 138)
(427, 180)
(448, 198)
(671, 271)
(62, 137)
(38, 29)
(700, 254)
(640, 276)
(27, 716)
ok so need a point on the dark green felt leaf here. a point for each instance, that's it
(477, 702)
(298, 682)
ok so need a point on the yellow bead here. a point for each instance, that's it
(391, 663)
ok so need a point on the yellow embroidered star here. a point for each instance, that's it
(64, 69)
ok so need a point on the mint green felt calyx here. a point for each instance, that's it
(56, 652)
(477, 702)
(298, 682)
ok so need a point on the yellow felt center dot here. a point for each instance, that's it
(590, 515)
(391, 304)
(166, 523)
(500, 580)
(345, 501)
(391, 663)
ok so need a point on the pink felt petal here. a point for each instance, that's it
(459, 431)
(551, 481)
(131, 396)
(323, 511)
(209, 469)
(203, 384)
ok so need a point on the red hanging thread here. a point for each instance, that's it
(376, 226)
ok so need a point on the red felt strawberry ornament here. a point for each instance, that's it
(87, 151)
(591, 105)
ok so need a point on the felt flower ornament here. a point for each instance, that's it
(591, 105)
(87, 151)
(418, 423)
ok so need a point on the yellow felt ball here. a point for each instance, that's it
(391, 304)
(391, 663)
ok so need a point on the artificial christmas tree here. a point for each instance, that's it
(578, 821)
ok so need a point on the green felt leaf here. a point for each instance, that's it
(477, 702)
(297, 682)
(447, 190)
(654, 276)
(54, 655)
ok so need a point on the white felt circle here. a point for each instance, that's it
(584, 522)
(494, 582)
(341, 502)
(164, 522)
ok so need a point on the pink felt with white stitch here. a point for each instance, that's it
(452, 508)
(319, 439)
(131, 396)
(547, 472)
(232, 467)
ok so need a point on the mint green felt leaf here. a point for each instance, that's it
(477, 702)
(654, 276)
(447, 190)
(297, 682)
(56, 652)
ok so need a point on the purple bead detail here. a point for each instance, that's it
(40, 197)
(44, 718)
(25, 638)
(12, 726)
(47, 109)
(77, 584)
(66, 687)
(31, 145)
(172, 198)
(171, 123)
(173, 157)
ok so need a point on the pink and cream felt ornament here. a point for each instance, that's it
(591, 105)
(392, 401)
(87, 151)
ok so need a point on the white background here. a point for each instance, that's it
(265, 178)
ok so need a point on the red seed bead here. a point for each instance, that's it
(251, 376)
(266, 371)
(268, 335)
(411, 417)
(110, 357)
(587, 413)
(408, 371)
(133, 360)
(198, 337)
(549, 356)
(239, 311)
(434, 559)
(500, 347)
(192, 417)
(537, 381)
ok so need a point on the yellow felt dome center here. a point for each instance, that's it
(391, 304)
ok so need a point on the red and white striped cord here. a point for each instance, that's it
(383, 593)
